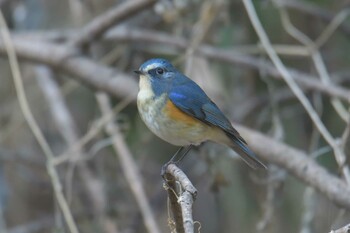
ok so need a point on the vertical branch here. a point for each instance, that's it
(182, 194)
(309, 208)
(35, 128)
(176, 219)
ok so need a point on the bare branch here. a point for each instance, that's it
(299, 164)
(182, 194)
(99, 25)
(333, 25)
(83, 69)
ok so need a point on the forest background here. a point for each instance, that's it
(75, 156)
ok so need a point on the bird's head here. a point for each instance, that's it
(157, 73)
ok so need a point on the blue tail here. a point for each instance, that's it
(246, 154)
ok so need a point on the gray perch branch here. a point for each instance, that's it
(182, 194)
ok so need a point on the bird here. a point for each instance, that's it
(177, 110)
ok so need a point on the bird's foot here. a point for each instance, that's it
(174, 159)
(165, 166)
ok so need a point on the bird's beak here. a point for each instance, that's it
(139, 72)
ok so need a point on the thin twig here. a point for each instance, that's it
(314, 10)
(281, 49)
(94, 130)
(129, 167)
(330, 29)
(316, 56)
(339, 154)
(35, 128)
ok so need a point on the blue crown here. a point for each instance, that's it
(162, 62)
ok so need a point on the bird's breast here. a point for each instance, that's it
(168, 122)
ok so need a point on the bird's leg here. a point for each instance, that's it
(188, 148)
(174, 160)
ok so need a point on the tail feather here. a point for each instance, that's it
(246, 154)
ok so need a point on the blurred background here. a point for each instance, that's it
(198, 37)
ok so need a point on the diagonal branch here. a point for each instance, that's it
(314, 10)
(129, 167)
(298, 164)
(101, 24)
(84, 70)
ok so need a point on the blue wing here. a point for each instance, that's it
(191, 99)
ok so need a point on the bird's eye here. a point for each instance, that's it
(159, 71)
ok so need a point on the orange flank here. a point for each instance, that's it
(176, 114)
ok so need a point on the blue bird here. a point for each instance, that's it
(178, 111)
